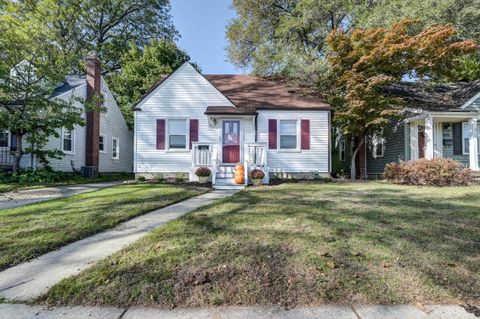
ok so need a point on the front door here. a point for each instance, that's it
(421, 141)
(231, 142)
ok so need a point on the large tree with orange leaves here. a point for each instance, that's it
(365, 61)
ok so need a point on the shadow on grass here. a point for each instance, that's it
(299, 245)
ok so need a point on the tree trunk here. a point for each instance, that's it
(353, 162)
(18, 154)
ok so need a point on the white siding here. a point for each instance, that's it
(316, 159)
(112, 124)
(78, 158)
(184, 95)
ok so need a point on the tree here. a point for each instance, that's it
(31, 66)
(462, 14)
(103, 26)
(288, 37)
(284, 37)
(141, 68)
(365, 61)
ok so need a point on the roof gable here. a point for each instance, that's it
(473, 104)
(191, 80)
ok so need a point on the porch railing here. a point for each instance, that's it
(205, 154)
(256, 157)
(6, 156)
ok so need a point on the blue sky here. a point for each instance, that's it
(201, 24)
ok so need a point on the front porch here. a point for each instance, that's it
(253, 155)
(453, 135)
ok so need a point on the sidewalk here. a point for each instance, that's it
(32, 279)
(30, 196)
(18, 311)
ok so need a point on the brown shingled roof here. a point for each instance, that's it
(252, 92)
(262, 93)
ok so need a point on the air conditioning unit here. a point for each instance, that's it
(89, 171)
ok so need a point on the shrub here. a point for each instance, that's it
(203, 172)
(257, 174)
(39, 176)
(141, 178)
(436, 172)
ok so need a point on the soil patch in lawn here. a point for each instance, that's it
(299, 245)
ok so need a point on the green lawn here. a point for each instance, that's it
(299, 244)
(32, 230)
(67, 180)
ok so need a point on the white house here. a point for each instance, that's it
(104, 145)
(188, 120)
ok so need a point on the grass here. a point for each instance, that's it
(299, 244)
(8, 186)
(32, 230)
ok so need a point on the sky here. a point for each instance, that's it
(201, 24)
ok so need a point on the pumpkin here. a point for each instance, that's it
(239, 179)
(239, 169)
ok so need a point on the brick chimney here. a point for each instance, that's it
(94, 73)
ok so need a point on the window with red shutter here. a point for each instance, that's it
(272, 134)
(160, 134)
(305, 136)
(193, 131)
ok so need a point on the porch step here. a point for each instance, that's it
(227, 183)
(226, 171)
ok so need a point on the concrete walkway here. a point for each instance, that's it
(17, 311)
(30, 196)
(32, 279)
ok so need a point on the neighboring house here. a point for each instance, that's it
(188, 120)
(445, 126)
(104, 145)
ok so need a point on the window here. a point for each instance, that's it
(341, 150)
(288, 134)
(101, 144)
(177, 134)
(466, 138)
(115, 148)
(378, 146)
(68, 141)
(4, 138)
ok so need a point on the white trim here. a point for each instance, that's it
(469, 102)
(220, 138)
(72, 132)
(414, 141)
(474, 143)
(297, 148)
(187, 134)
(104, 144)
(429, 138)
(376, 141)
(465, 125)
(117, 148)
(468, 125)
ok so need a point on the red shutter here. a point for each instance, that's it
(160, 134)
(193, 132)
(272, 134)
(305, 142)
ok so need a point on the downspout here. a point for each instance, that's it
(256, 125)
